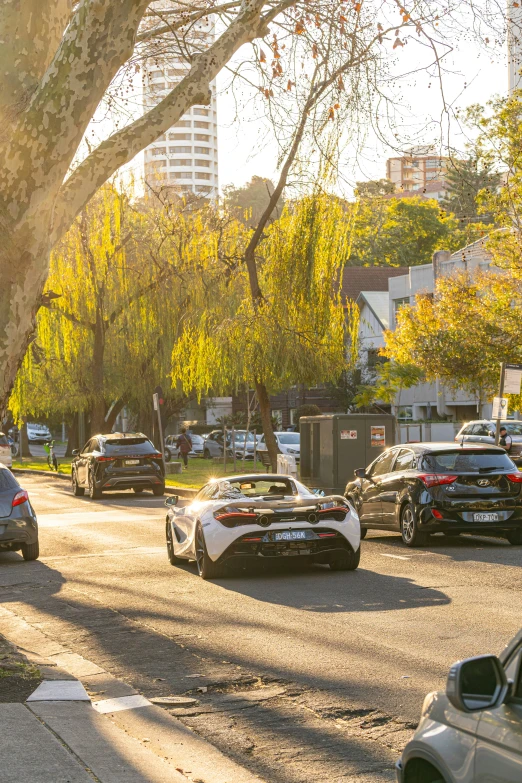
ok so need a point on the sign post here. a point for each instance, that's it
(157, 402)
(510, 382)
(498, 413)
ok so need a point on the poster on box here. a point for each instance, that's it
(348, 434)
(378, 436)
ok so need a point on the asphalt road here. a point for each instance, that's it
(305, 674)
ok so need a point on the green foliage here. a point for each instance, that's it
(401, 231)
(466, 179)
(295, 334)
(374, 187)
(249, 202)
(307, 409)
(391, 379)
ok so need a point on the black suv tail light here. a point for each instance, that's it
(516, 478)
(436, 479)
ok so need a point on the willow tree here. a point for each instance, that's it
(294, 334)
(108, 320)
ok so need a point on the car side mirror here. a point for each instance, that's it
(172, 500)
(476, 684)
(360, 473)
(75, 452)
(318, 492)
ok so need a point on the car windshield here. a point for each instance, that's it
(252, 488)
(466, 461)
(196, 439)
(7, 480)
(129, 446)
(3, 440)
(289, 438)
(242, 436)
(512, 428)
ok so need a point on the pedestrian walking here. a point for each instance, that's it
(184, 445)
(505, 439)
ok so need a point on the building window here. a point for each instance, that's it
(159, 151)
(182, 124)
(278, 416)
(405, 413)
(155, 74)
(181, 162)
(293, 416)
(176, 72)
(433, 164)
(180, 175)
(199, 124)
(201, 112)
(202, 150)
(179, 150)
(398, 303)
(204, 188)
(205, 163)
(179, 136)
(202, 175)
(201, 137)
(156, 86)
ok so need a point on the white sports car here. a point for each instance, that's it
(241, 519)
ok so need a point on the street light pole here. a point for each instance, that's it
(500, 394)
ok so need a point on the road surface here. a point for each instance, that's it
(299, 674)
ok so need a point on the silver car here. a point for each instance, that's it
(244, 444)
(472, 733)
(483, 431)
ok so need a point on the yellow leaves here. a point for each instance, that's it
(299, 27)
(357, 7)
(290, 85)
(262, 56)
(397, 43)
(314, 51)
(331, 113)
(340, 83)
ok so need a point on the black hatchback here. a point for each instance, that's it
(115, 462)
(425, 488)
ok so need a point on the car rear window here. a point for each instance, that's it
(130, 446)
(466, 461)
(3, 440)
(7, 480)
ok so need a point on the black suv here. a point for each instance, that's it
(115, 462)
(425, 488)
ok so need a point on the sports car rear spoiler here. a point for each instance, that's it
(290, 505)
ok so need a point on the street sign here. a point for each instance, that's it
(500, 407)
(155, 401)
(512, 378)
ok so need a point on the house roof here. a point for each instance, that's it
(379, 304)
(369, 278)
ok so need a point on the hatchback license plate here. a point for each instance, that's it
(132, 462)
(290, 535)
(485, 517)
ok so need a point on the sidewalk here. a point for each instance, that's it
(82, 725)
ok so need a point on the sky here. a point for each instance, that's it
(474, 76)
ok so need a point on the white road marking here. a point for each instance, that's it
(121, 703)
(396, 557)
(60, 690)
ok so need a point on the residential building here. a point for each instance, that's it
(514, 46)
(420, 171)
(186, 156)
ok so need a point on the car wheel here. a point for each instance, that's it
(168, 455)
(138, 490)
(348, 561)
(207, 569)
(31, 551)
(514, 536)
(94, 492)
(77, 490)
(409, 528)
(159, 491)
(206, 454)
(173, 560)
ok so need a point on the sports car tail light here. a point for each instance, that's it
(106, 459)
(252, 539)
(338, 513)
(20, 497)
(327, 535)
(435, 479)
(515, 477)
(436, 514)
(235, 518)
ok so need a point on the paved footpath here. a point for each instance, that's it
(294, 675)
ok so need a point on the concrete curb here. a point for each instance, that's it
(183, 492)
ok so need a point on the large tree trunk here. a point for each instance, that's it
(266, 420)
(72, 436)
(99, 406)
(23, 447)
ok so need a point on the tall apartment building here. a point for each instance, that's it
(418, 170)
(514, 46)
(186, 156)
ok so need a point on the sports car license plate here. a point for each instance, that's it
(485, 517)
(290, 535)
(132, 462)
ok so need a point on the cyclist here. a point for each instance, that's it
(51, 456)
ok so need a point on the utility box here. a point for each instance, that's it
(333, 446)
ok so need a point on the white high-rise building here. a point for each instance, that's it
(186, 156)
(514, 46)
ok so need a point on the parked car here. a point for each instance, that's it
(243, 440)
(426, 488)
(38, 433)
(483, 431)
(115, 462)
(288, 442)
(6, 453)
(171, 450)
(18, 524)
(472, 733)
(261, 518)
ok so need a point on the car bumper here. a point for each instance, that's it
(130, 482)
(17, 531)
(242, 551)
(462, 521)
(399, 771)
